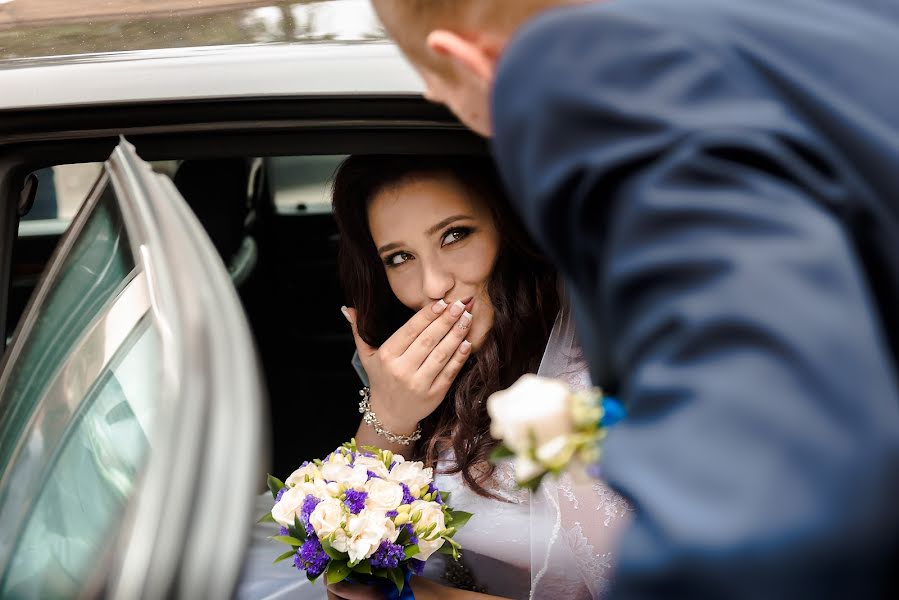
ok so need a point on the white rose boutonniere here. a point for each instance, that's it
(548, 428)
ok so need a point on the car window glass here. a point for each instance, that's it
(92, 274)
(92, 477)
(302, 183)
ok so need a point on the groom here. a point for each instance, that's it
(718, 181)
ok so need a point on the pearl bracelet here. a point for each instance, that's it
(368, 415)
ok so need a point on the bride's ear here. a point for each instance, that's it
(475, 56)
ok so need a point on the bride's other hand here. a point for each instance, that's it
(410, 374)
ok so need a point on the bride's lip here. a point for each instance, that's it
(468, 302)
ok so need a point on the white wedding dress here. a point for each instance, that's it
(555, 543)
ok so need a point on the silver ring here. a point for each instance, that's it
(463, 327)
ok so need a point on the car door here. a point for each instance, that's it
(130, 407)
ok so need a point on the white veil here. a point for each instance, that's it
(574, 522)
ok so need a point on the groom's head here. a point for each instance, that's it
(456, 44)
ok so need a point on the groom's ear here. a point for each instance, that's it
(474, 55)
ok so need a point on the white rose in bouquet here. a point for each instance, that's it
(363, 534)
(375, 465)
(288, 506)
(413, 475)
(429, 527)
(327, 517)
(383, 495)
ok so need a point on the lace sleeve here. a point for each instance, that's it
(576, 522)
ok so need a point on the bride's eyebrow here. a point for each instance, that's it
(438, 226)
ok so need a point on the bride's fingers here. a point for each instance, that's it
(429, 339)
(409, 332)
(364, 349)
(435, 362)
(447, 376)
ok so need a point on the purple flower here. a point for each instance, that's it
(407, 496)
(372, 475)
(285, 531)
(280, 493)
(413, 539)
(311, 557)
(387, 556)
(355, 501)
(417, 566)
(309, 505)
(392, 514)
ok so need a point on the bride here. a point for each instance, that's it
(452, 302)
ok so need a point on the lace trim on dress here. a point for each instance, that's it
(596, 568)
(614, 505)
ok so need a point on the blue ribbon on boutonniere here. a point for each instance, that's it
(613, 412)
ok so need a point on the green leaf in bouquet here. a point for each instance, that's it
(411, 551)
(500, 452)
(330, 551)
(403, 538)
(311, 578)
(285, 556)
(338, 570)
(364, 567)
(297, 530)
(266, 518)
(396, 576)
(287, 539)
(445, 496)
(275, 485)
(459, 518)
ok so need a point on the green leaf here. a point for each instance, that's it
(330, 551)
(363, 568)
(286, 539)
(311, 578)
(446, 549)
(285, 556)
(403, 538)
(267, 518)
(338, 570)
(396, 576)
(275, 485)
(459, 518)
(445, 496)
(411, 551)
(501, 452)
(297, 530)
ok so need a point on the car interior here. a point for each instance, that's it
(262, 194)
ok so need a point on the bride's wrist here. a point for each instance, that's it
(392, 423)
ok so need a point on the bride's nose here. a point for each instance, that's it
(437, 281)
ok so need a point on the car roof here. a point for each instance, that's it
(325, 69)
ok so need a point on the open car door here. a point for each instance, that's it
(130, 408)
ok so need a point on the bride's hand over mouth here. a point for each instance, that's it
(411, 373)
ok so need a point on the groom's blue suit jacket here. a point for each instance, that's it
(718, 182)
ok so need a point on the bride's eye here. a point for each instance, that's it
(456, 234)
(395, 260)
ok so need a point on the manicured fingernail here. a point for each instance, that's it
(346, 314)
(465, 346)
(457, 308)
(465, 321)
(439, 307)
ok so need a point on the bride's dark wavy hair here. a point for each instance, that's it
(522, 289)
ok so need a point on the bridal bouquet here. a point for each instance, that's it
(548, 428)
(364, 514)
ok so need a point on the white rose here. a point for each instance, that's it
(383, 495)
(363, 534)
(413, 475)
(535, 406)
(289, 506)
(336, 472)
(431, 514)
(298, 476)
(372, 464)
(327, 517)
